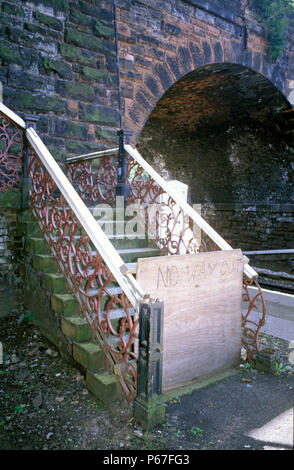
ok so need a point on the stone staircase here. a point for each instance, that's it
(59, 319)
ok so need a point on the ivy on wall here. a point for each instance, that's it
(275, 16)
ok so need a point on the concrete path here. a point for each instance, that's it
(279, 320)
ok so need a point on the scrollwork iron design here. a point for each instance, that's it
(101, 301)
(250, 325)
(95, 179)
(11, 153)
(167, 225)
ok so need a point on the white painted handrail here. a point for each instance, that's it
(91, 156)
(220, 242)
(114, 262)
(11, 115)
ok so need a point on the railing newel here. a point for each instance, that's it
(149, 408)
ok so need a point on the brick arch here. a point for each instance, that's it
(161, 76)
(158, 47)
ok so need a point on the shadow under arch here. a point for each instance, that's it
(218, 129)
(201, 124)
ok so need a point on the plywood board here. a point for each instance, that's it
(202, 296)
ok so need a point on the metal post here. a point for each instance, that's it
(149, 409)
(123, 187)
(26, 181)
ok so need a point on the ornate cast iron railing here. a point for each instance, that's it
(172, 224)
(11, 149)
(108, 298)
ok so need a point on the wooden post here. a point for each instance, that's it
(149, 409)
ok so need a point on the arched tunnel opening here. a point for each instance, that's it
(227, 132)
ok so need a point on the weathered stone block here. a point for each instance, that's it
(55, 283)
(99, 76)
(10, 53)
(28, 228)
(75, 90)
(68, 128)
(77, 147)
(43, 32)
(109, 135)
(96, 11)
(73, 53)
(103, 28)
(12, 10)
(65, 304)
(99, 114)
(58, 66)
(76, 328)
(55, 5)
(80, 18)
(45, 263)
(36, 245)
(90, 355)
(89, 41)
(49, 21)
(104, 386)
(23, 100)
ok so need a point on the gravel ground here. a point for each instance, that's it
(44, 403)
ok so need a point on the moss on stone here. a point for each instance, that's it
(10, 53)
(88, 41)
(81, 19)
(103, 28)
(10, 199)
(69, 128)
(12, 10)
(49, 21)
(100, 115)
(38, 102)
(77, 147)
(98, 76)
(58, 66)
(57, 5)
(76, 90)
(109, 135)
(73, 53)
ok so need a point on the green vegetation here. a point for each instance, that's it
(279, 368)
(275, 16)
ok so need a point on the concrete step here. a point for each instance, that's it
(131, 255)
(128, 241)
(55, 283)
(104, 386)
(76, 328)
(28, 228)
(36, 245)
(44, 263)
(89, 355)
(25, 215)
(64, 304)
(132, 268)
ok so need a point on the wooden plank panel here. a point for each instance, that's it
(202, 296)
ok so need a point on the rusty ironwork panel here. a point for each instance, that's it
(95, 179)
(103, 304)
(167, 225)
(11, 154)
(251, 327)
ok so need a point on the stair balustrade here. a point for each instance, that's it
(11, 149)
(170, 222)
(107, 292)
